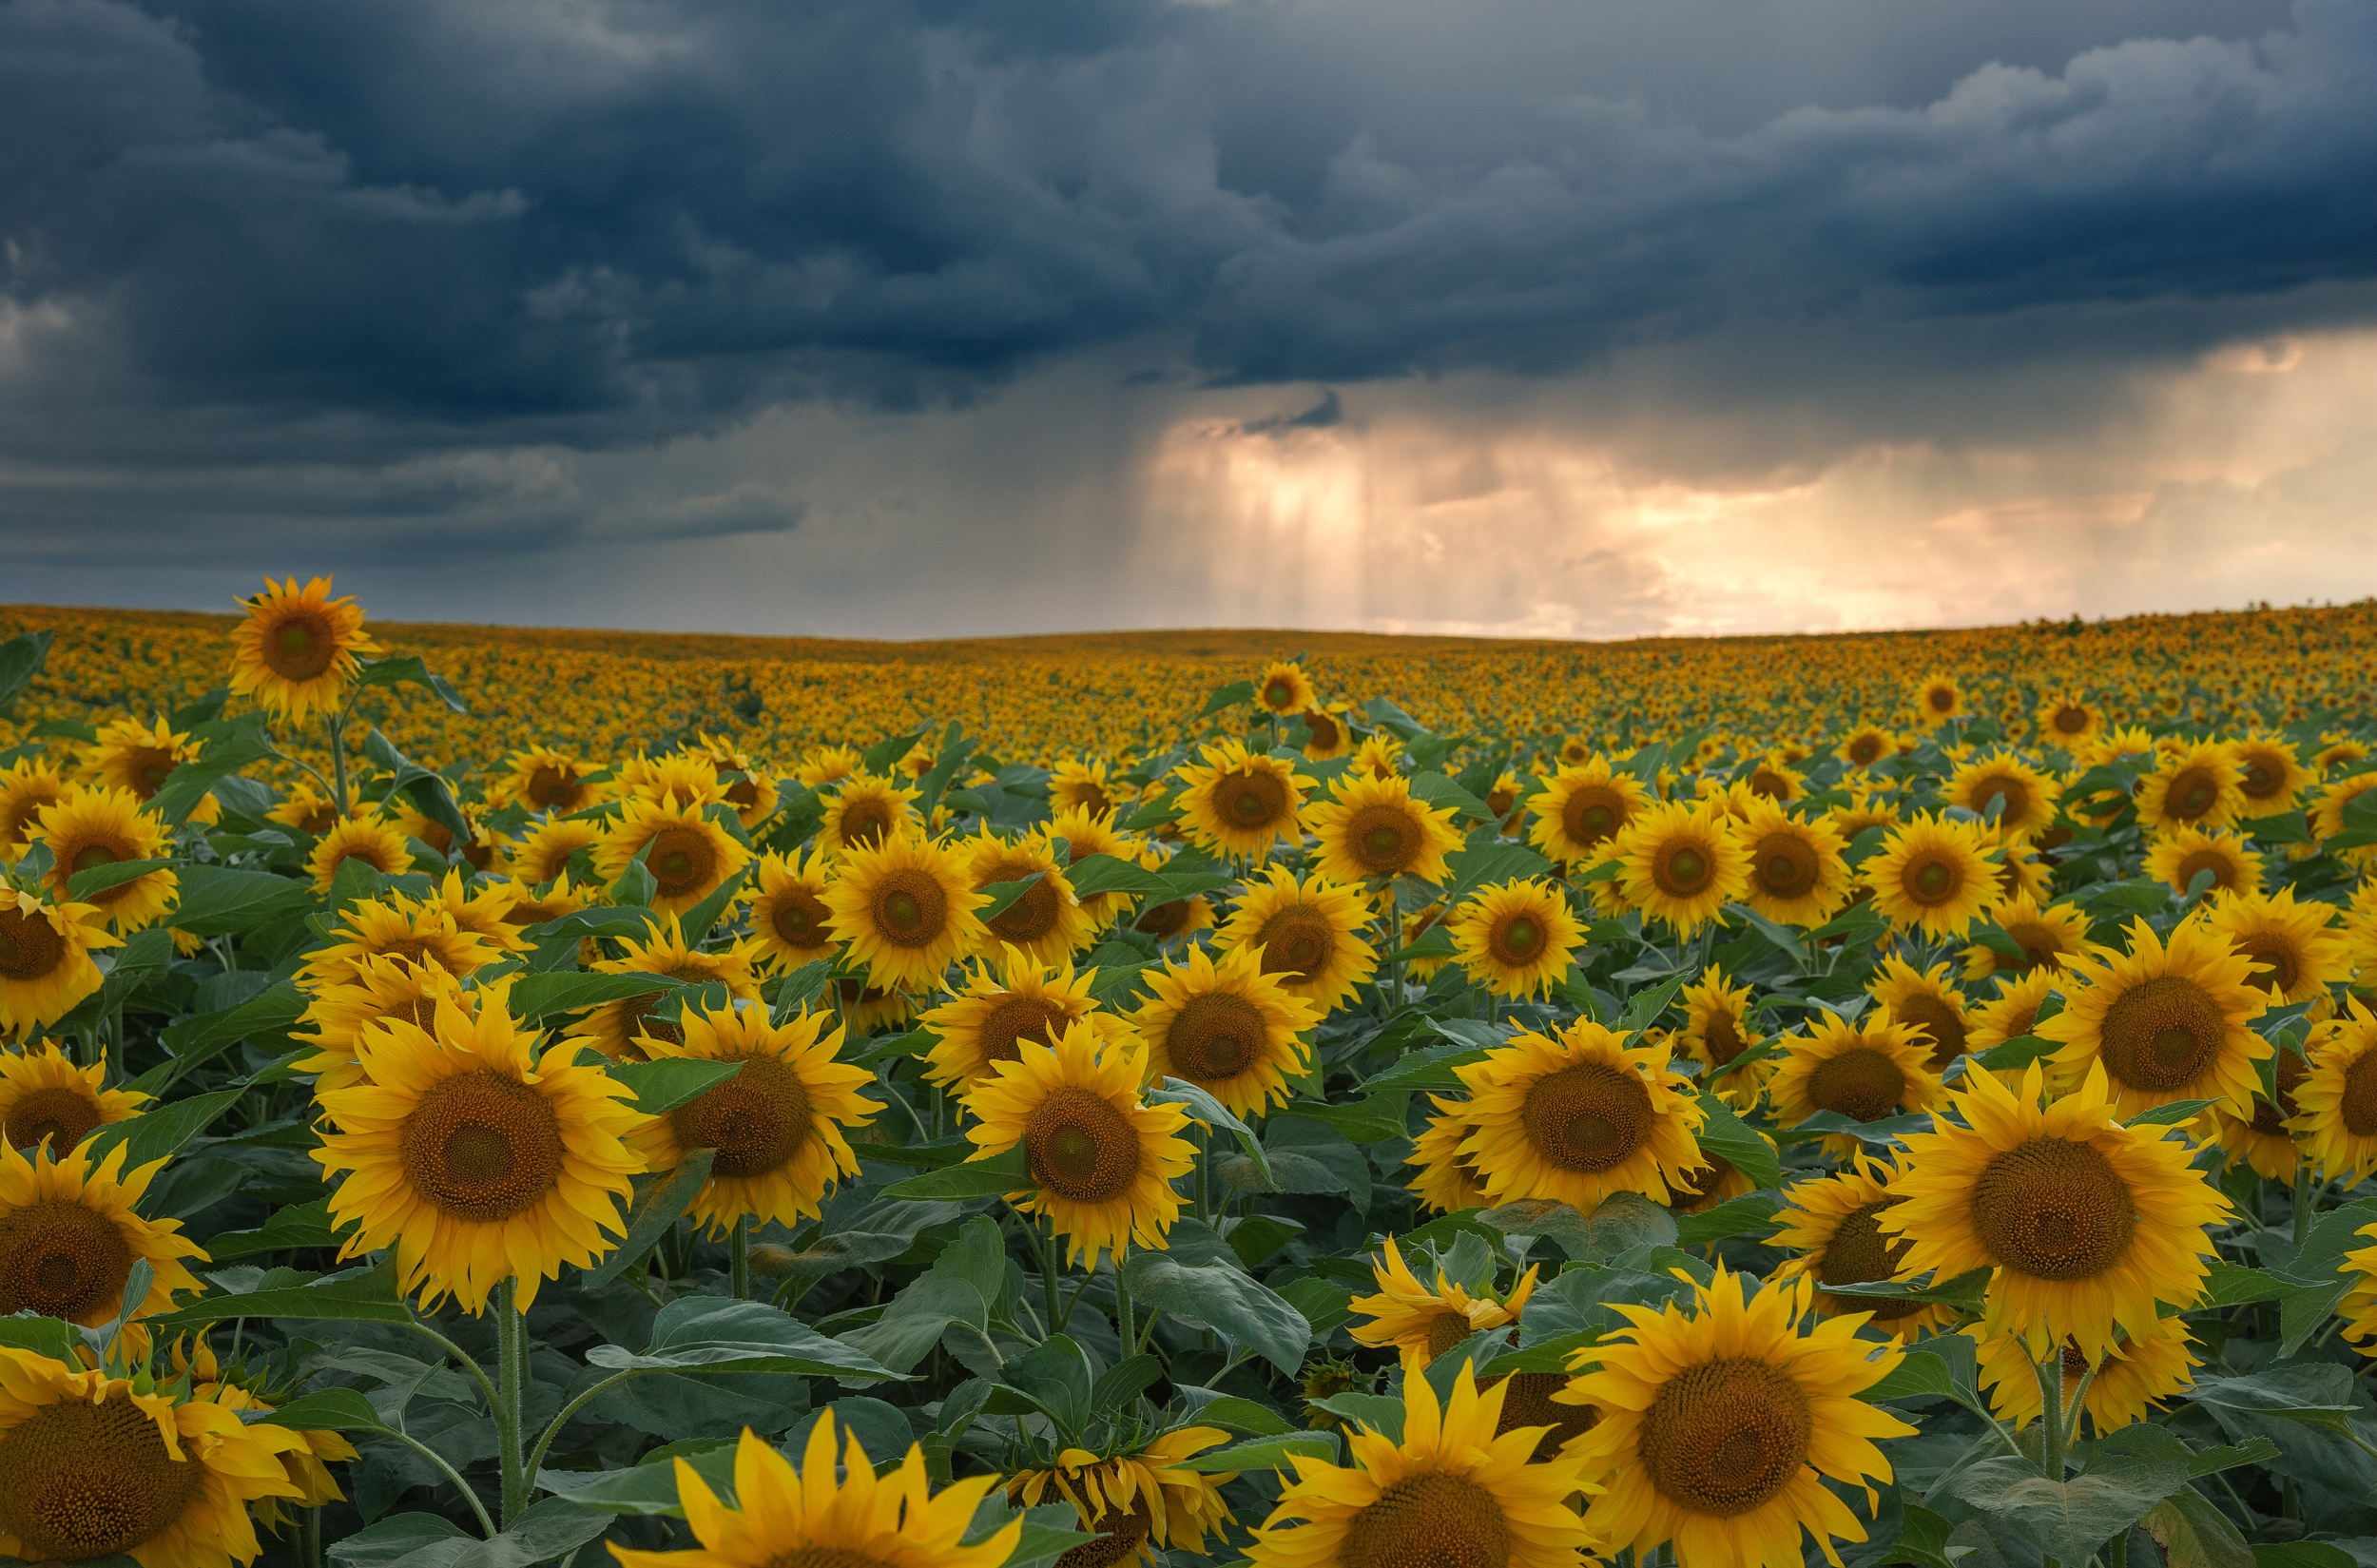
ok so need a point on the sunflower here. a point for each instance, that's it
(1380, 756)
(2195, 786)
(1797, 874)
(1102, 1159)
(2012, 1013)
(682, 779)
(476, 1158)
(2267, 1141)
(131, 755)
(1926, 1000)
(46, 1099)
(1864, 811)
(1717, 1181)
(1682, 864)
(1578, 1118)
(2336, 1102)
(775, 1128)
(312, 812)
(1327, 734)
(905, 909)
(821, 1518)
(2338, 750)
(381, 987)
(71, 1231)
(306, 1464)
(754, 795)
(689, 856)
(1241, 802)
(788, 915)
(88, 827)
(1717, 1030)
(2273, 775)
(1867, 1073)
(1515, 938)
(2327, 813)
(1229, 1028)
(1446, 1179)
(1047, 923)
(1833, 1226)
(997, 1013)
(545, 780)
(826, 764)
(544, 852)
(1135, 1500)
(2133, 1379)
(1418, 923)
(1174, 920)
(626, 1029)
(373, 839)
(2295, 955)
(1866, 745)
(45, 968)
(296, 651)
(94, 1466)
(1285, 691)
(867, 812)
(1933, 875)
(407, 928)
(1422, 1324)
(868, 1010)
(1308, 934)
(1081, 783)
(2087, 1223)
(1720, 1426)
(1938, 699)
(1771, 778)
(1457, 1492)
(2167, 1022)
(2068, 720)
(482, 908)
(2046, 933)
(26, 787)
(1581, 807)
(474, 849)
(1088, 832)
(2024, 797)
(2178, 856)
(1372, 827)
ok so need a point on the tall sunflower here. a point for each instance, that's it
(88, 827)
(26, 787)
(1000, 1009)
(1797, 872)
(1047, 923)
(1372, 827)
(626, 1030)
(2167, 1022)
(1308, 934)
(1867, 1071)
(373, 839)
(380, 988)
(1421, 1323)
(71, 1231)
(1934, 876)
(2044, 933)
(1832, 1225)
(1581, 1116)
(46, 1099)
(775, 1128)
(2197, 785)
(2336, 1103)
(543, 853)
(1088, 832)
(1581, 807)
(1866, 744)
(1229, 1028)
(476, 1158)
(1937, 699)
(2133, 1378)
(688, 855)
(296, 651)
(2181, 855)
(790, 924)
(1934, 1007)
(45, 968)
(139, 757)
(401, 926)
(2297, 953)
(867, 812)
(1515, 938)
(1285, 691)
(1682, 864)
(1081, 784)
(905, 909)
(2087, 1223)
(2023, 797)
(1240, 802)
(1716, 1030)
(1720, 1426)
(2268, 1141)
(1102, 1159)
(1135, 1500)
(2273, 775)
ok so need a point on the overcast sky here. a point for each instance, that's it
(912, 318)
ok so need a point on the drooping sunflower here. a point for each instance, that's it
(1933, 875)
(2268, 1142)
(2195, 786)
(1308, 933)
(1285, 691)
(775, 1128)
(1582, 806)
(307, 1465)
(404, 927)
(1452, 1492)
(867, 812)
(688, 855)
(1868, 1070)
(1227, 1027)
(26, 787)
(1240, 803)
(45, 968)
(296, 651)
(1088, 832)
(1928, 1001)
(789, 920)
(547, 780)
(1771, 778)
(1421, 1323)
(1102, 1159)
(905, 909)
(2087, 1222)
(544, 852)
(625, 1030)
(138, 757)
(93, 1466)
(1047, 923)
(46, 1099)
(2044, 933)
(999, 1011)
(1720, 1426)
(819, 1517)
(1581, 1116)
(1380, 755)
(71, 1231)
(2135, 1377)
(475, 1157)
(1515, 938)
(1444, 1178)
(2012, 1013)
(2178, 856)
(870, 1009)
(381, 987)
(1372, 827)
(2335, 1114)
(1797, 874)
(2167, 1022)
(1682, 864)
(1833, 1226)
(2273, 775)
(373, 839)
(1078, 783)
(1135, 1500)
(1938, 699)
(2068, 720)
(2023, 797)
(88, 827)
(1866, 744)
(2296, 954)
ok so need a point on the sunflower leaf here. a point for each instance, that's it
(697, 1334)
(660, 1201)
(1199, 1280)
(98, 878)
(1724, 1134)
(2171, 1115)
(663, 1085)
(327, 1410)
(1205, 1107)
(994, 1178)
(358, 1295)
(1003, 896)
(221, 900)
(1093, 875)
(411, 669)
(21, 658)
(1225, 697)
(1263, 1453)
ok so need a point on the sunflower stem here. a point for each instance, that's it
(2051, 1413)
(2302, 1197)
(1125, 1330)
(511, 1362)
(1048, 1273)
(739, 1258)
(310, 1537)
(338, 722)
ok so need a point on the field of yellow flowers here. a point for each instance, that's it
(475, 1099)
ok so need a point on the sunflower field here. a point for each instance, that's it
(478, 1099)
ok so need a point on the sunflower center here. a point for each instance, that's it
(2053, 1210)
(61, 1260)
(682, 861)
(1591, 1117)
(825, 1556)
(2163, 1034)
(301, 647)
(80, 1481)
(1931, 883)
(2011, 796)
(2358, 1104)
(1864, 748)
(481, 1147)
(2070, 719)
(1081, 1147)
(1254, 799)
(2039, 944)
(1724, 1436)
(1515, 939)
(550, 786)
(59, 1115)
(2194, 792)
(2276, 965)
(756, 1120)
(1446, 1330)
(1215, 1037)
(1014, 1019)
(1592, 814)
(1164, 919)
(1861, 1083)
(1681, 870)
(1860, 1253)
(1322, 728)
(1279, 694)
(799, 918)
(1724, 1038)
(864, 821)
(1701, 1183)
(2219, 862)
(1385, 841)
(910, 908)
(1428, 1521)
(31, 948)
(1527, 1401)
(1934, 1018)
(1032, 915)
(1298, 941)
(1785, 865)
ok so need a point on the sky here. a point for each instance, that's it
(914, 318)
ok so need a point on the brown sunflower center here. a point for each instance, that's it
(1279, 694)
(2276, 964)
(1428, 1521)
(2358, 1104)
(1119, 1534)
(910, 908)
(1722, 1437)
(798, 919)
(1861, 1253)
(1081, 1147)
(1251, 800)
(2053, 1210)
(1931, 881)
(2192, 793)
(1700, 1184)
(865, 820)
(1383, 840)
(1166, 919)
(2040, 944)
(1940, 698)
(59, 1115)
(1034, 914)
(2222, 866)
(61, 1260)
(80, 1481)
(1446, 1330)
(1527, 1401)
(1681, 868)
(2163, 1034)
(1322, 728)
(1014, 1019)
(683, 861)
(1785, 865)
(756, 1120)
(1297, 943)
(1515, 939)
(1864, 748)
(147, 768)
(31, 948)
(2269, 1120)
(826, 1557)
(552, 785)
(2070, 719)
(301, 645)
(1215, 1037)
(481, 1147)
(1773, 786)
(2264, 775)
(1591, 1117)
(1723, 1035)
(1592, 813)
(1861, 1083)
(1938, 1021)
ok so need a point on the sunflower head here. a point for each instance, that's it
(2183, 853)
(905, 910)
(867, 812)
(2196, 786)
(2044, 935)
(91, 826)
(2068, 720)
(625, 1030)
(71, 1231)
(1797, 872)
(296, 651)
(1285, 691)
(1047, 921)
(1002, 1009)
(1229, 1028)
(1579, 1116)
(1371, 827)
(1834, 1224)
(46, 967)
(1307, 933)
(373, 839)
(2005, 789)
(1239, 802)
(26, 787)
(1933, 875)
(1926, 1000)
(1516, 938)
(1582, 806)
(2273, 775)
(1682, 864)
(1867, 1072)
(1423, 1322)
(46, 1099)
(1133, 1499)
(2166, 1021)
(1938, 699)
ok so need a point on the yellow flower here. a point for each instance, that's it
(2167, 1022)
(404, 927)
(1867, 1073)
(379, 988)
(1080, 784)
(988, 1022)
(1682, 864)
(2273, 775)
(1421, 1323)
(90, 827)
(2133, 1378)
(306, 1463)
(2046, 933)
(1135, 1500)
(2068, 720)
(1866, 744)
(1516, 938)
(310, 811)
(296, 651)
(2012, 1013)
(44, 1097)
(2267, 1141)
(1327, 734)
(827, 765)
(1229, 1028)
(1047, 923)
(45, 968)
(1717, 1030)
(26, 787)
(905, 909)
(371, 840)
(2196, 786)
(1578, 1118)
(1446, 1179)
(1372, 827)
(71, 1231)
(625, 1030)
(1240, 803)
(866, 813)
(546, 780)
(790, 924)
(2296, 955)
(753, 796)
(1087, 832)
(688, 855)
(1797, 874)
(1933, 875)
(1285, 691)
(131, 755)
(2024, 797)
(2336, 1105)
(1926, 1000)
(1833, 1227)
(2179, 856)
(1308, 934)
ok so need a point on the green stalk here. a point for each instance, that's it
(2051, 1413)
(739, 1259)
(2302, 1198)
(1049, 1281)
(1124, 1328)
(339, 760)
(512, 1364)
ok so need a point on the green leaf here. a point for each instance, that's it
(1920, 1375)
(662, 1085)
(1750, 1214)
(2316, 1393)
(160, 1132)
(360, 1295)
(1244, 1415)
(646, 1490)
(1003, 896)
(1470, 869)
(1205, 1107)
(224, 749)
(2299, 1554)
(22, 656)
(2207, 1462)
(2171, 1115)
(1093, 875)
(1382, 1413)
(1199, 1280)
(2194, 1534)
(539, 997)
(1271, 1453)
(221, 900)
(329, 1410)
(702, 917)
(1963, 1291)
(1440, 792)
(1622, 1222)
(2332, 1235)
(1723, 1132)
(397, 1538)
(660, 1202)
(1223, 697)
(285, 1230)
(696, 1334)
(2233, 1284)
(410, 669)
(46, 1336)
(82, 884)
(989, 1178)
(1644, 1006)
(2070, 1519)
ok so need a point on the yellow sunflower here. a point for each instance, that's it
(46, 967)
(1327, 734)
(46, 1099)
(2044, 933)
(2135, 1377)
(1797, 874)
(1088, 832)
(1445, 1179)
(1285, 691)
(680, 779)
(1229, 1028)
(90, 827)
(869, 1010)
(380, 987)
(1865, 809)
(1174, 920)
(1102, 1159)
(1240, 803)
(1866, 744)
(1308, 934)
(2012, 1013)
(1933, 875)
(306, 1464)
(2335, 1112)
(310, 811)
(1077, 783)
(131, 755)
(2327, 813)
(1047, 923)
(1381, 756)
(828, 765)
(1717, 1030)
(1421, 1323)
(1372, 827)
(1418, 923)
(1582, 806)
(867, 812)
(790, 924)
(1832, 1225)
(404, 927)
(2296, 955)
(373, 839)
(476, 1158)
(1774, 781)
(546, 780)
(1934, 1007)
(71, 1231)
(296, 651)
(2177, 857)
(26, 787)
(1718, 1180)
(627, 1029)
(753, 796)
(483, 908)
(2024, 797)
(2168, 1022)
(905, 909)
(997, 1013)
(2267, 1142)
(1867, 1071)
(1682, 864)
(2068, 720)
(2274, 777)
(2196, 786)
(1720, 1426)
(1135, 1500)
(1515, 938)
(1578, 1118)
(775, 1128)
(688, 855)
(542, 854)
(1938, 699)
(2087, 1223)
